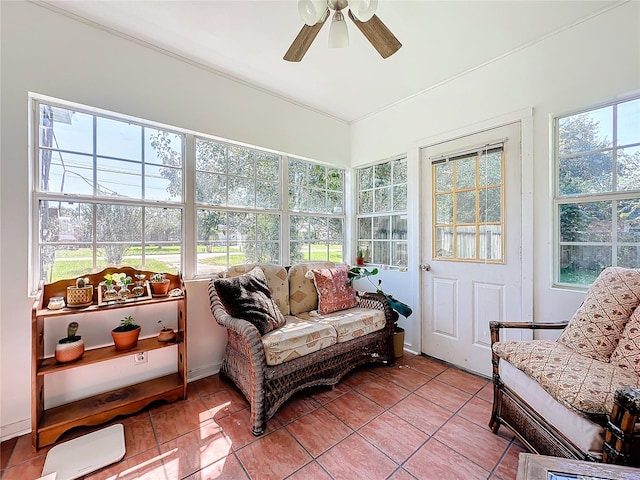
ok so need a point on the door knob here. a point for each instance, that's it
(426, 267)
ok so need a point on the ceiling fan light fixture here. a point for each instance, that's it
(363, 9)
(311, 11)
(338, 33)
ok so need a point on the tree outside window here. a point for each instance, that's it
(597, 191)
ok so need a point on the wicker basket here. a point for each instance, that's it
(79, 296)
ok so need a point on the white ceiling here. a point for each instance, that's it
(247, 40)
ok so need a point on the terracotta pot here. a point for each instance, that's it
(69, 351)
(126, 340)
(360, 261)
(167, 335)
(160, 289)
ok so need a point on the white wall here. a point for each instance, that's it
(595, 61)
(50, 54)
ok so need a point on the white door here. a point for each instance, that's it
(471, 243)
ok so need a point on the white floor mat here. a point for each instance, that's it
(85, 454)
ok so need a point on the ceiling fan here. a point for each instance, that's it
(314, 13)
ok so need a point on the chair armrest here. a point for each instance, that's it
(495, 326)
(242, 335)
(378, 301)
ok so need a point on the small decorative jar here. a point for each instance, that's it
(110, 292)
(138, 290)
(56, 303)
(124, 292)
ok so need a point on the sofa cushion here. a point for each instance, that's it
(334, 291)
(247, 297)
(352, 323)
(295, 339)
(594, 330)
(303, 296)
(581, 383)
(277, 280)
(627, 353)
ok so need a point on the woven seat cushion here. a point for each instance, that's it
(295, 339)
(277, 280)
(581, 383)
(247, 297)
(596, 327)
(303, 293)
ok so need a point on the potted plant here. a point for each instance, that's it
(166, 334)
(159, 285)
(125, 336)
(399, 308)
(360, 258)
(124, 283)
(110, 280)
(81, 295)
(71, 347)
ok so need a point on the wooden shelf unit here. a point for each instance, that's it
(47, 425)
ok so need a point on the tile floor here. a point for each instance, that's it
(421, 419)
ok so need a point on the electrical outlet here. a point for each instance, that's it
(140, 358)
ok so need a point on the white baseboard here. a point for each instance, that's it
(21, 427)
(202, 372)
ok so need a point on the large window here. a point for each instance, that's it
(110, 190)
(597, 197)
(316, 203)
(382, 213)
(238, 205)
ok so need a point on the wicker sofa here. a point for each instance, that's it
(577, 397)
(269, 368)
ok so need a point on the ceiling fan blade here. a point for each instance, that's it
(378, 34)
(304, 40)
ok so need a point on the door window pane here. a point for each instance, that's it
(469, 220)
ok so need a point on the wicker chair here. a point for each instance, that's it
(621, 436)
(577, 397)
(268, 387)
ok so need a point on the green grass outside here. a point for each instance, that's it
(137, 251)
(78, 262)
(578, 276)
(234, 259)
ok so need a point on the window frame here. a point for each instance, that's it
(476, 189)
(38, 195)
(391, 241)
(309, 213)
(612, 196)
(188, 205)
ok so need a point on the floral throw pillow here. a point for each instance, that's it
(247, 297)
(334, 293)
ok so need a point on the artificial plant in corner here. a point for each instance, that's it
(356, 273)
